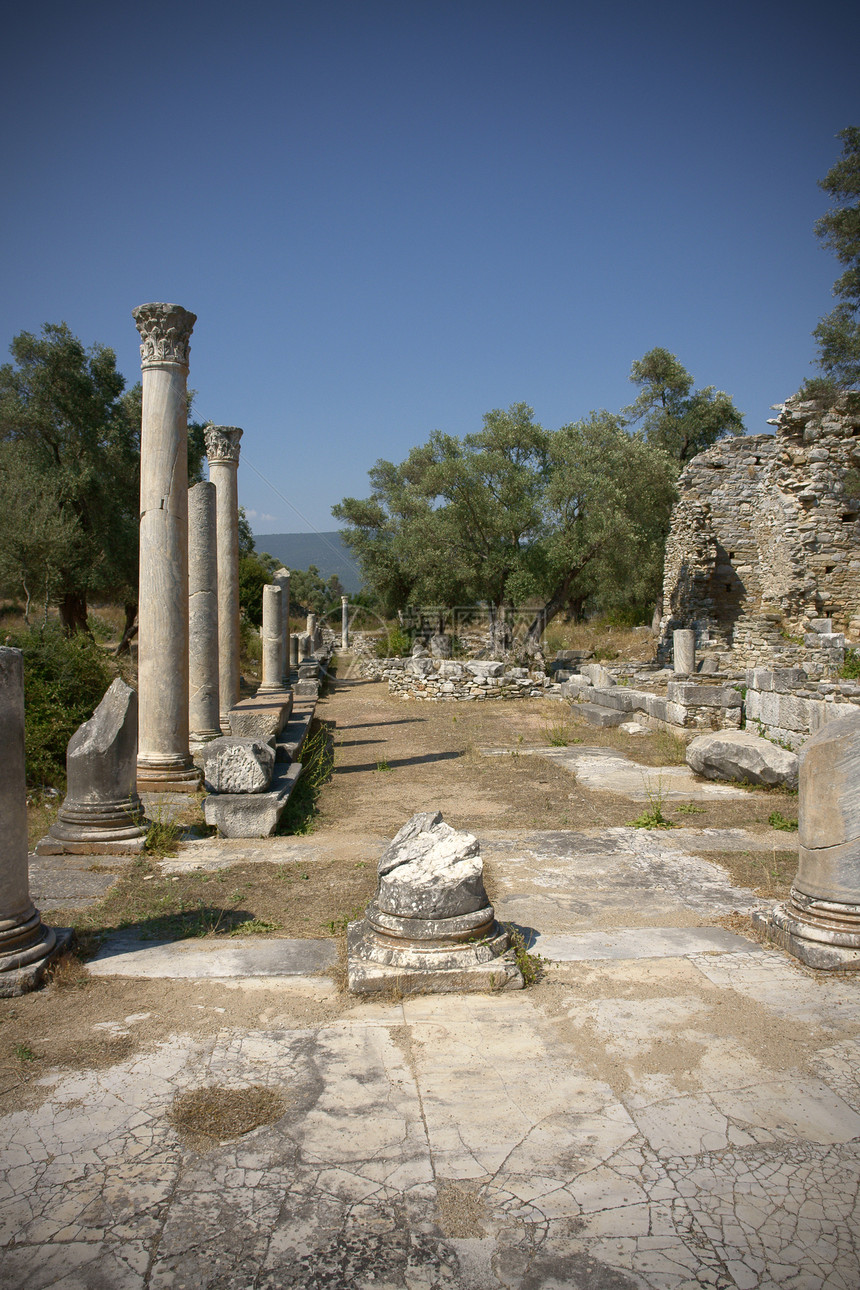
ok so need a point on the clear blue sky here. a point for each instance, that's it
(393, 215)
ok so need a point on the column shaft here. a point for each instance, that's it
(282, 580)
(163, 757)
(344, 623)
(272, 636)
(222, 449)
(204, 696)
(25, 944)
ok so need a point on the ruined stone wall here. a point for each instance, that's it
(765, 538)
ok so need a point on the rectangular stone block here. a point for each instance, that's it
(262, 718)
(252, 815)
(703, 696)
(678, 714)
(597, 715)
(788, 679)
(655, 706)
(617, 698)
(759, 678)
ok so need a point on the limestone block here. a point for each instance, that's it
(788, 679)
(440, 645)
(261, 718)
(703, 696)
(596, 715)
(742, 755)
(753, 705)
(759, 678)
(655, 706)
(677, 714)
(791, 712)
(450, 671)
(490, 667)
(598, 675)
(252, 815)
(421, 666)
(233, 765)
(620, 699)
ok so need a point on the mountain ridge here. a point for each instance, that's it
(325, 550)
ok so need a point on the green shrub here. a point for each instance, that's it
(64, 682)
(394, 644)
(851, 667)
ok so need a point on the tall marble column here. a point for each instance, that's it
(273, 640)
(222, 449)
(344, 623)
(684, 651)
(25, 944)
(204, 698)
(163, 759)
(282, 580)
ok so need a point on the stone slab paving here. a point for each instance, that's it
(465, 1142)
(676, 1107)
(609, 772)
(126, 954)
(74, 881)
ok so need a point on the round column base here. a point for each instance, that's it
(26, 949)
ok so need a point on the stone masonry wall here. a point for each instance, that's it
(436, 679)
(765, 538)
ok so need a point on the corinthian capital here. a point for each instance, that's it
(165, 333)
(222, 442)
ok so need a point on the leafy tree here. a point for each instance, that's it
(517, 514)
(672, 415)
(838, 334)
(66, 429)
(310, 593)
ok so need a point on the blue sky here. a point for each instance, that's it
(391, 216)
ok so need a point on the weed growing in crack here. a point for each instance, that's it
(777, 820)
(653, 818)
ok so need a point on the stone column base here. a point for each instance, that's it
(435, 964)
(26, 949)
(100, 828)
(813, 943)
(182, 778)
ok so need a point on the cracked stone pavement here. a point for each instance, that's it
(664, 1117)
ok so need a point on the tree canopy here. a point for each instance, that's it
(672, 415)
(838, 333)
(69, 471)
(516, 514)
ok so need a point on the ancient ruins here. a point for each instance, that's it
(764, 542)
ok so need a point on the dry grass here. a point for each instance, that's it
(614, 644)
(207, 1116)
(768, 873)
(292, 899)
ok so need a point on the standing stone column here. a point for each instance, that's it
(282, 580)
(204, 698)
(294, 651)
(684, 652)
(820, 923)
(222, 449)
(344, 623)
(25, 944)
(163, 759)
(273, 639)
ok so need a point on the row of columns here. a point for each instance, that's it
(189, 633)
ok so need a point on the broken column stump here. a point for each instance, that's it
(820, 923)
(26, 945)
(430, 928)
(102, 813)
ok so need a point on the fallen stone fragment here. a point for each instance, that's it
(102, 811)
(597, 675)
(739, 754)
(232, 765)
(430, 926)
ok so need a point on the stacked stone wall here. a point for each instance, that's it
(765, 538)
(440, 679)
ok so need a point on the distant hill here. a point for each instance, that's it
(301, 550)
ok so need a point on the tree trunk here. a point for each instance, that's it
(73, 614)
(129, 631)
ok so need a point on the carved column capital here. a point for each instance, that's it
(165, 332)
(222, 442)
